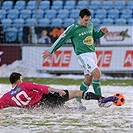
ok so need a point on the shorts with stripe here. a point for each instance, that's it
(88, 61)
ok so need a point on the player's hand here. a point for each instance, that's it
(46, 54)
(61, 92)
(104, 30)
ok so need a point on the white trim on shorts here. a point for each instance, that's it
(88, 61)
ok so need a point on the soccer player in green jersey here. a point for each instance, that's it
(82, 35)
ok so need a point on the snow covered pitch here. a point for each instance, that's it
(93, 120)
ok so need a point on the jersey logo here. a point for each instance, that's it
(88, 40)
(88, 66)
(84, 33)
(15, 91)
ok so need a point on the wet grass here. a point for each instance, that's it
(62, 81)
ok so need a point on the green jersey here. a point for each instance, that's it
(82, 38)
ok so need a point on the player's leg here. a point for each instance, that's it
(96, 81)
(83, 59)
(91, 96)
(85, 85)
(89, 62)
(83, 94)
(54, 100)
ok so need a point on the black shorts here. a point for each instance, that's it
(54, 100)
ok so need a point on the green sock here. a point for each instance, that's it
(97, 87)
(83, 87)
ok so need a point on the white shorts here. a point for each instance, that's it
(88, 61)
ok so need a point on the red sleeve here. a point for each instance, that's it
(39, 87)
(0, 104)
(5, 101)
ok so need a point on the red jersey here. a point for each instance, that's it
(25, 94)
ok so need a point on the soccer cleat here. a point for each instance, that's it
(107, 102)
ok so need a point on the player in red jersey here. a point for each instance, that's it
(30, 95)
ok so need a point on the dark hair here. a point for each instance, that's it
(84, 12)
(14, 77)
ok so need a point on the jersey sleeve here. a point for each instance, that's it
(97, 34)
(39, 87)
(0, 104)
(66, 35)
(5, 101)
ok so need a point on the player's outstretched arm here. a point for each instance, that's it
(61, 92)
(46, 54)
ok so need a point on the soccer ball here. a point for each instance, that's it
(121, 99)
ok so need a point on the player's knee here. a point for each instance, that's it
(96, 73)
(88, 82)
(88, 79)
